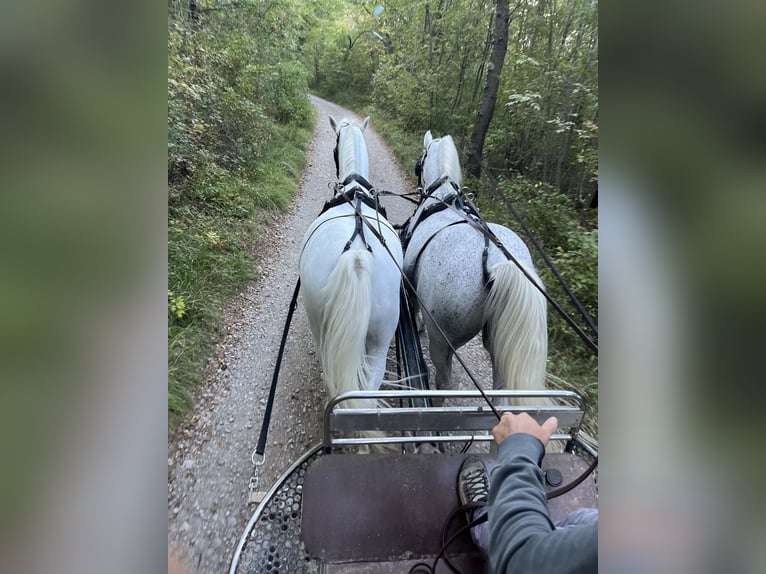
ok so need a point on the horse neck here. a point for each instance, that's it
(352, 155)
(440, 193)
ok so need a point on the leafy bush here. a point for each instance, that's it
(578, 264)
(548, 214)
(176, 306)
(402, 95)
(238, 118)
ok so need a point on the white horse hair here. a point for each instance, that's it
(351, 296)
(444, 262)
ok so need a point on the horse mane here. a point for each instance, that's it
(352, 148)
(449, 160)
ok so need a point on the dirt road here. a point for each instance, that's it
(209, 465)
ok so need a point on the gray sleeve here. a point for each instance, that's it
(522, 538)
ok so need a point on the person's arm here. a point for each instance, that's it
(522, 536)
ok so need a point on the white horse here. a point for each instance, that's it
(464, 291)
(349, 281)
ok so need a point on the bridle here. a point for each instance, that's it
(456, 200)
(419, 164)
(426, 192)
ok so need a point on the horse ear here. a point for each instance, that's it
(365, 122)
(427, 139)
(333, 123)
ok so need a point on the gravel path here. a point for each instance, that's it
(209, 464)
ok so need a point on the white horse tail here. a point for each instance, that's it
(345, 319)
(517, 328)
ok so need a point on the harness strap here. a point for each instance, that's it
(361, 191)
(343, 199)
(437, 207)
(407, 196)
(356, 192)
(564, 315)
(438, 183)
(484, 256)
(466, 209)
(275, 377)
(359, 179)
(452, 200)
(358, 227)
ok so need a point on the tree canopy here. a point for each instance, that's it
(424, 64)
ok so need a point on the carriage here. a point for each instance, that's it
(369, 498)
(334, 511)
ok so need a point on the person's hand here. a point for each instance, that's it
(511, 424)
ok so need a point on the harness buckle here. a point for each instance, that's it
(254, 495)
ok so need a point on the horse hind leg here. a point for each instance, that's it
(377, 343)
(441, 357)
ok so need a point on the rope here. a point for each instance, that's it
(431, 568)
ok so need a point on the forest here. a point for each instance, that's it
(514, 82)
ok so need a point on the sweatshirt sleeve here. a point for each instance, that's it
(522, 536)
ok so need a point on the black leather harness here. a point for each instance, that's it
(465, 208)
(363, 193)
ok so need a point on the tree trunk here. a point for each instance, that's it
(460, 81)
(483, 63)
(194, 15)
(487, 107)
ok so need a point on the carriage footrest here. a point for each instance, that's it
(379, 507)
(392, 507)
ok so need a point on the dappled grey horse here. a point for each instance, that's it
(467, 283)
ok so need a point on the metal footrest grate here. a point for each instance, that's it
(272, 541)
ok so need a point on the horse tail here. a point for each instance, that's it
(345, 319)
(515, 315)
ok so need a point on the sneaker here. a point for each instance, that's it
(473, 481)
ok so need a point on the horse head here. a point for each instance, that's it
(438, 165)
(350, 153)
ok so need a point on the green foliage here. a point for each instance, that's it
(342, 52)
(176, 306)
(424, 66)
(578, 264)
(548, 213)
(238, 119)
(568, 358)
(402, 95)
